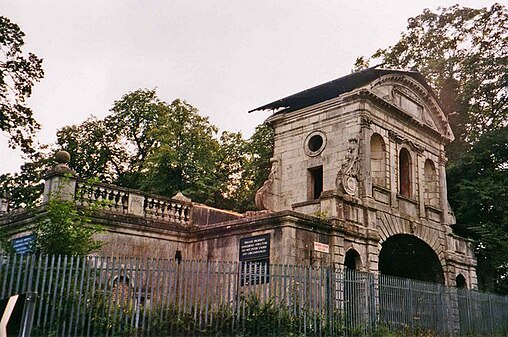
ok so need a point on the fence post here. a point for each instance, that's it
(491, 314)
(329, 309)
(373, 302)
(28, 314)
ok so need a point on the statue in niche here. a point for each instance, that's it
(347, 177)
(265, 197)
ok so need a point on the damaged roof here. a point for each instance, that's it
(332, 89)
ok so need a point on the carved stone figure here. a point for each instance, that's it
(264, 198)
(347, 178)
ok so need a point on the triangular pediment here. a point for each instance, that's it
(414, 99)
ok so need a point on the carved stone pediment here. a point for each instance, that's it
(413, 99)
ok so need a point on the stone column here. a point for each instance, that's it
(60, 180)
(394, 166)
(420, 181)
(443, 193)
(365, 174)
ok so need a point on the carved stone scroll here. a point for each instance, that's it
(347, 177)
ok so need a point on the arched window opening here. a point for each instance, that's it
(377, 160)
(460, 281)
(352, 260)
(431, 194)
(405, 173)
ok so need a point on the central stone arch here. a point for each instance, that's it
(407, 256)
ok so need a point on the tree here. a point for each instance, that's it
(18, 73)
(258, 151)
(148, 144)
(184, 155)
(24, 188)
(66, 229)
(463, 52)
(478, 190)
(95, 149)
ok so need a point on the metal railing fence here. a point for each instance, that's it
(120, 296)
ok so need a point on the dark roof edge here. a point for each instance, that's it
(334, 88)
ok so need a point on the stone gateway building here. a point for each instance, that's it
(358, 180)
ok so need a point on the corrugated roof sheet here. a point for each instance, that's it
(332, 89)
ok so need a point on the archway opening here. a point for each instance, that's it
(352, 260)
(407, 256)
(460, 281)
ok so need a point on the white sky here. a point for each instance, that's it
(223, 57)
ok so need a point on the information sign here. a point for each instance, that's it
(255, 247)
(24, 244)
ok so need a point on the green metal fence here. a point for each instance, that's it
(118, 296)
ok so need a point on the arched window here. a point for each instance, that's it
(460, 281)
(352, 260)
(377, 160)
(431, 193)
(405, 173)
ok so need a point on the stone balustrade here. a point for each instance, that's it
(115, 199)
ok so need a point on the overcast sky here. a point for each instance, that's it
(223, 57)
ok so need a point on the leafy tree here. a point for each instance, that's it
(162, 148)
(134, 120)
(66, 229)
(184, 154)
(257, 153)
(18, 73)
(24, 188)
(463, 52)
(478, 190)
(95, 149)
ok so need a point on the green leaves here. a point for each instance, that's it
(18, 73)
(165, 148)
(63, 228)
(478, 192)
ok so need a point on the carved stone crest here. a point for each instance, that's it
(265, 198)
(347, 177)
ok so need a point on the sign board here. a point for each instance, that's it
(255, 247)
(321, 247)
(24, 244)
(255, 260)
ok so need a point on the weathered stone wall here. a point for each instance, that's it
(402, 115)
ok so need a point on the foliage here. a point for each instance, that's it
(93, 149)
(24, 188)
(463, 53)
(184, 154)
(479, 195)
(65, 229)
(18, 73)
(247, 164)
(162, 148)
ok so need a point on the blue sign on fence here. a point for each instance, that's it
(24, 244)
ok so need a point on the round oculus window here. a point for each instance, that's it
(315, 143)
